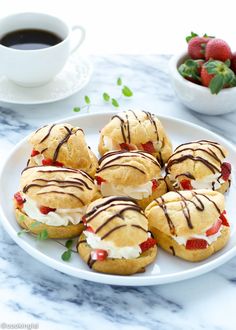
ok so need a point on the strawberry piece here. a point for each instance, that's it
(99, 180)
(99, 254)
(196, 243)
(218, 49)
(90, 229)
(154, 184)
(224, 220)
(19, 199)
(225, 171)
(197, 47)
(46, 209)
(84, 219)
(47, 162)
(59, 164)
(150, 242)
(215, 228)
(186, 184)
(125, 146)
(148, 147)
(34, 153)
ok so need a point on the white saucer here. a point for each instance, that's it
(74, 76)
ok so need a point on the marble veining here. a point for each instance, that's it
(33, 293)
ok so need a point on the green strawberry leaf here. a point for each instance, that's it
(216, 84)
(192, 35)
(227, 63)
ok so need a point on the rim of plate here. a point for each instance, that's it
(144, 280)
(56, 99)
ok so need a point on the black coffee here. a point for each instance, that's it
(29, 39)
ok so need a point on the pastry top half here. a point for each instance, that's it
(62, 144)
(185, 213)
(202, 161)
(136, 129)
(128, 168)
(58, 187)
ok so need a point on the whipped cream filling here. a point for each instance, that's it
(38, 159)
(127, 252)
(182, 240)
(61, 217)
(136, 192)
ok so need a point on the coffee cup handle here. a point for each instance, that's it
(82, 37)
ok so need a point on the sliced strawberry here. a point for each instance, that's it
(47, 162)
(46, 210)
(150, 242)
(225, 171)
(99, 180)
(20, 200)
(34, 153)
(99, 255)
(186, 184)
(148, 147)
(90, 229)
(154, 184)
(215, 228)
(196, 243)
(125, 146)
(59, 164)
(84, 220)
(224, 220)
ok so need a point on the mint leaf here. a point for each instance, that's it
(76, 109)
(119, 82)
(43, 235)
(216, 84)
(126, 91)
(87, 99)
(69, 243)
(115, 103)
(106, 97)
(66, 255)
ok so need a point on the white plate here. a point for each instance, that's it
(167, 268)
(73, 77)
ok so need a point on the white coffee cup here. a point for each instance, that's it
(36, 67)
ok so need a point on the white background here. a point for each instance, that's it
(138, 26)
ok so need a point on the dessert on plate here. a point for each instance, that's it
(199, 165)
(190, 224)
(116, 239)
(54, 199)
(62, 145)
(136, 130)
(136, 174)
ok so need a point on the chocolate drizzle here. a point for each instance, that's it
(164, 208)
(90, 261)
(48, 133)
(173, 250)
(61, 193)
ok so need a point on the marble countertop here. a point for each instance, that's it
(32, 293)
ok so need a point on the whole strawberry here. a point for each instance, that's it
(217, 75)
(233, 62)
(197, 46)
(218, 49)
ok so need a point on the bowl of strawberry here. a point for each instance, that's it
(204, 77)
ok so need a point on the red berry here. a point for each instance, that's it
(186, 184)
(47, 162)
(34, 153)
(225, 170)
(99, 180)
(150, 242)
(148, 147)
(46, 210)
(215, 228)
(224, 220)
(197, 46)
(90, 229)
(125, 146)
(19, 199)
(84, 220)
(196, 243)
(154, 184)
(99, 255)
(59, 164)
(233, 62)
(218, 49)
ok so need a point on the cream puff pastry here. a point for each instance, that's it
(116, 239)
(136, 174)
(199, 165)
(55, 199)
(62, 145)
(189, 224)
(136, 130)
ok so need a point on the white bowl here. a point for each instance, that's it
(199, 98)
